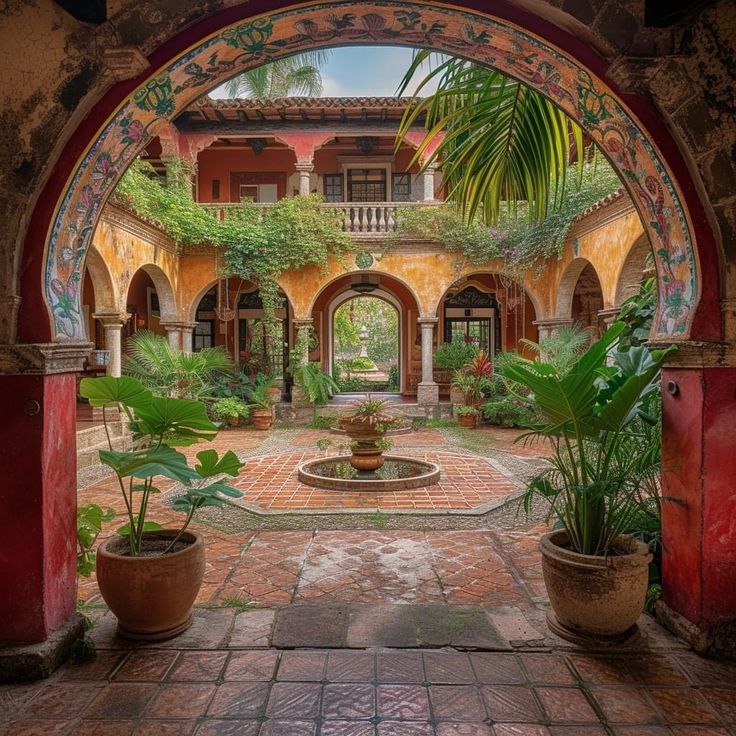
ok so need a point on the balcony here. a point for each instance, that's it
(362, 219)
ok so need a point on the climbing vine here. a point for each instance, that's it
(521, 241)
(259, 243)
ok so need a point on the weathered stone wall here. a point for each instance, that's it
(54, 69)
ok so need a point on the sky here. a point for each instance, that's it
(361, 71)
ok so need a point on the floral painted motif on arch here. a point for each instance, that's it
(487, 41)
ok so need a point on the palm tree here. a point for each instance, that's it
(297, 75)
(504, 142)
(174, 373)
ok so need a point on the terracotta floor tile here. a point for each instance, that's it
(403, 702)
(242, 700)
(400, 667)
(511, 704)
(36, 728)
(519, 729)
(456, 703)
(493, 668)
(405, 728)
(348, 701)
(228, 728)
(288, 728)
(302, 666)
(121, 700)
(181, 701)
(164, 728)
(625, 704)
(683, 706)
(566, 705)
(103, 728)
(251, 666)
(347, 728)
(145, 666)
(351, 666)
(198, 667)
(450, 668)
(64, 700)
(294, 700)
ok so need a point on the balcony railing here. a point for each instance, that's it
(359, 218)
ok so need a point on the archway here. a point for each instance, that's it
(392, 291)
(366, 344)
(50, 279)
(587, 302)
(636, 268)
(475, 36)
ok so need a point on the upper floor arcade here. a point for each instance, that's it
(343, 149)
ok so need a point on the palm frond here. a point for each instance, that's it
(504, 143)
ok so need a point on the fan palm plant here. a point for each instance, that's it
(292, 75)
(174, 373)
(503, 142)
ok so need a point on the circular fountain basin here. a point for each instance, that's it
(396, 474)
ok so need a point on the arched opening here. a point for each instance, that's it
(150, 301)
(587, 302)
(255, 345)
(158, 96)
(637, 267)
(365, 344)
(402, 306)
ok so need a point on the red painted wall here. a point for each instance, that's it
(699, 470)
(38, 495)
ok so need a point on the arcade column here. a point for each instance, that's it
(38, 496)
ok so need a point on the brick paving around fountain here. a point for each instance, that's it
(371, 632)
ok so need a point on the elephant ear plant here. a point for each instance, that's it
(158, 424)
(150, 576)
(591, 414)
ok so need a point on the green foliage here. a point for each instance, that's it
(169, 372)
(296, 75)
(373, 413)
(362, 364)
(232, 384)
(506, 411)
(318, 385)
(320, 421)
(503, 141)
(464, 410)
(260, 243)
(455, 355)
(562, 348)
(394, 380)
(238, 602)
(90, 518)
(521, 242)
(381, 322)
(158, 423)
(637, 313)
(259, 397)
(590, 415)
(230, 408)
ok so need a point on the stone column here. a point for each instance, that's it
(548, 327)
(113, 324)
(428, 392)
(173, 334)
(304, 328)
(608, 316)
(187, 336)
(429, 185)
(39, 490)
(305, 166)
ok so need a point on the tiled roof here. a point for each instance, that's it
(304, 102)
(601, 203)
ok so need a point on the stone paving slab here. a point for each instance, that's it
(436, 692)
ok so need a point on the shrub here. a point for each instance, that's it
(455, 355)
(505, 411)
(230, 408)
(394, 380)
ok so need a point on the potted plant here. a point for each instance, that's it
(467, 416)
(454, 356)
(366, 425)
(230, 410)
(468, 386)
(596, 575)
(262, 408)
(150, 576)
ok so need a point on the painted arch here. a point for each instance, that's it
(468, 34)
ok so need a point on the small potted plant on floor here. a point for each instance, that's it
(230, 410)
(262, 408)
(467, 416)
(366, 425)
(596, 575)
(149, 576)
(454, 356)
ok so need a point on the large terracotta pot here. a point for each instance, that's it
(262, 418)
(152, 597)
(360, 431)
(469, 421)
(366, 456)
(594, 598)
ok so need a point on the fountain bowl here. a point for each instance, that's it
(398, 473)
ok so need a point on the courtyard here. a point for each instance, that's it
(367, 368)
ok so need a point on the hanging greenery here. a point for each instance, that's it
(520, 241)
(260, 243)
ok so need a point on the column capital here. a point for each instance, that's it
(552, 322)
(44, 358)
(609, 314)
(176, 325)
(694, 354)
(303, 323)
(304, 164)
(428, 321)
(112, 319)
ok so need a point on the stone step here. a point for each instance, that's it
(95, 435)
